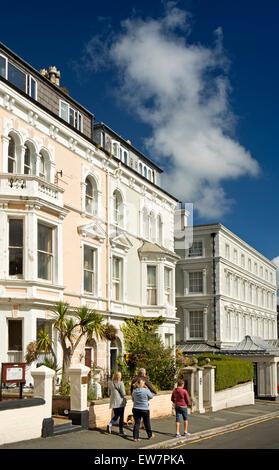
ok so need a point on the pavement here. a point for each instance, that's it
(200, 425)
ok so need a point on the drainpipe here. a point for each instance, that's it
(213, 235)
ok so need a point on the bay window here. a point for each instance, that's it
(14, 340)
(15, 247)
(167, 284)
(45, 252)
(151, 285)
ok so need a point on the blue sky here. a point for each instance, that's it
(232, 49)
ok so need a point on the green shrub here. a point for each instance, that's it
(145, 349)
(229, 371)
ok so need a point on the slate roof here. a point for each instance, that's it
(249, 345)
(197, 348)
(255, 344)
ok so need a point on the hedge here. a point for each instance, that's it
(229, 371)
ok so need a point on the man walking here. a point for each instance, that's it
(142, 375)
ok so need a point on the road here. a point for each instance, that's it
(262, 434)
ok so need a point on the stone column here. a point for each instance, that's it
(189, 384)
(208, 385)
(43, 377)
(199, 385)
(79, 413)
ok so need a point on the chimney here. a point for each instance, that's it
(52, 74)
(128, 142)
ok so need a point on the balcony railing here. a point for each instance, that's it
(12, 184)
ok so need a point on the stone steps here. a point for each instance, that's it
(66, 428)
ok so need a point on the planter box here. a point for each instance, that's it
(60, 403)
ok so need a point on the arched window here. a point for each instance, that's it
(145, 172)
(159, 230)
(29, 160)
(145, 217)
(125, 157)
(12, 155)
(140, 168)
(117, 208)
(91, 196)
(115, 351)
(152, 227)
(149, 175)
(42, 167)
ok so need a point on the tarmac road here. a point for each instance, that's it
(261, 434)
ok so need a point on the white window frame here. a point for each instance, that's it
(168, 290)
(187, 318)
(200, 271)
(16, 276)
(30, 78)
(78, 117)
(152, 287)
(202, 250)
(94, 272)
(54, 254)
(119, 280)
(6, 66)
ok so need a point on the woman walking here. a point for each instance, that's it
(117, 402)
(141, 395)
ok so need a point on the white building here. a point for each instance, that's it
(226, 301)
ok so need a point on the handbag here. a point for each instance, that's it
(124, 401)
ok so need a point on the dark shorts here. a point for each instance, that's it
(181, 410)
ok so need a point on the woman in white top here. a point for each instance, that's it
(117, 402)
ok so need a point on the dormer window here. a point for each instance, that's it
(70, 115)
(17, 77)
(3, 66)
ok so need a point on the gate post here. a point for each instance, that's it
(43, 377)
(79, 413)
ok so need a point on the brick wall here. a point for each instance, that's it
(100, 414)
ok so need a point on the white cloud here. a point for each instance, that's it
(182, 91)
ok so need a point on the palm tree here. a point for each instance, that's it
(43, 345)
(73, 325)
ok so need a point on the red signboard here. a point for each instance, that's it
(13, 372)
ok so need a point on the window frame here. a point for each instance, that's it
(21, 248)
(201, 326)
(189, 284)
(6, 66)
(50, 255)
(117, 281)
(152, 289)
(196, 255)
(93, 271)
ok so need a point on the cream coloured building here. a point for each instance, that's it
(81, 221)
(226, 301)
